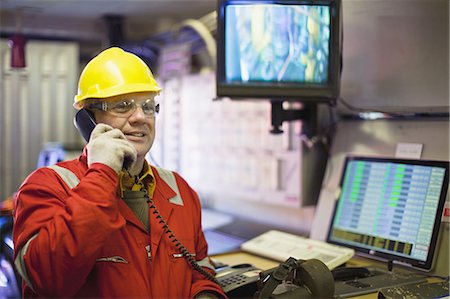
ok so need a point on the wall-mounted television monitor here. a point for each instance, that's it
(279, 49)
(391, 209)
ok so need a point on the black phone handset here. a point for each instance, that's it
(85, 122)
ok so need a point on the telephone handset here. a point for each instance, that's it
(85, 122)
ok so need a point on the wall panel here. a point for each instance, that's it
(35, 107)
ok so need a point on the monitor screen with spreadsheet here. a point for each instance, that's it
(391, 208)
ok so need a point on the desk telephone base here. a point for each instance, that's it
(239, 281)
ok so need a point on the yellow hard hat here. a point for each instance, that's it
(114, 72)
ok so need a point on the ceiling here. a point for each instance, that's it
(84, 19)
(97, 8)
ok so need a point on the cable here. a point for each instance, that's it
(210, 21)
(388, 113)
(323, 137)
(204, 33)
(181, 248)
(186, 254)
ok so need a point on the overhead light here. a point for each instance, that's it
(371, 115)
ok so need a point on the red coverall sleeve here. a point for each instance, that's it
(69, 227)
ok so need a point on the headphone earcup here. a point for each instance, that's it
(316, 276)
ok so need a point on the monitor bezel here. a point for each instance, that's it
(306, 92)
(426, 265)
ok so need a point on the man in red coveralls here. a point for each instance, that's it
(96, 227)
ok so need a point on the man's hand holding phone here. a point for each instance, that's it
(109, 146)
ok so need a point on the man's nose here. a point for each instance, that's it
(138, 112)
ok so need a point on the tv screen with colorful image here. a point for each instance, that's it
(279, 49)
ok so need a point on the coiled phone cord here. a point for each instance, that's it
(182, 249)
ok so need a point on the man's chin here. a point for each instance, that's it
(141, 149)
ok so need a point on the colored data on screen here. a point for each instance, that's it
(389, 207)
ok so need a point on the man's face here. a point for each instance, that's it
(139, 128)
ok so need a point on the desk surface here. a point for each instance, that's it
(240, 257)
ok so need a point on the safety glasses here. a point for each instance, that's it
(125, 108)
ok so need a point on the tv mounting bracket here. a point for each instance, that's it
(308, 114)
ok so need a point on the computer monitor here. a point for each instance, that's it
(391, 209)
